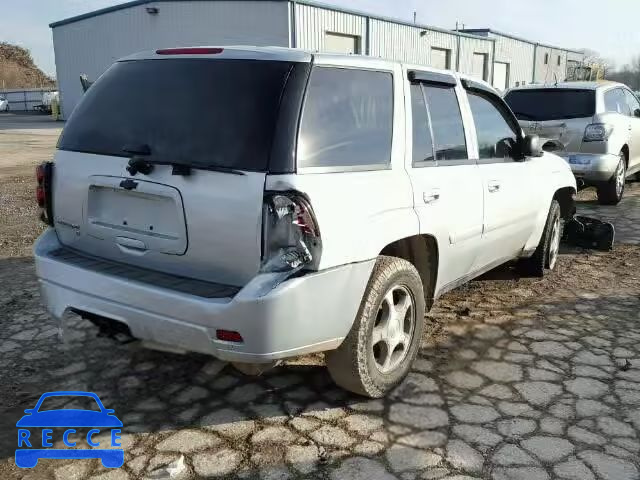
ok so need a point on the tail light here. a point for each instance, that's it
(291, 238)
(597, 132)
(44, 175)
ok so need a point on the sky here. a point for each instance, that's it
(609, 27)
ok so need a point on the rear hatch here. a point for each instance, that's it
(560, 114)
(162, 165)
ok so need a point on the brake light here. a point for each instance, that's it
(190, 51)
(597, 132)
(291, 238)
(44, 175)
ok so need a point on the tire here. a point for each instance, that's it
(546, 254)
(611, 192)
(363, 365)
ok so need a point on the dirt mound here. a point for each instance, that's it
(17, 69)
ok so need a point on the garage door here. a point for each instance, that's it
(339, 43)
(479, 66)
(440, 58)
(500, 75)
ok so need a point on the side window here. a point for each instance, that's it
(343, 123)
(496, 137)
(615, 101)
(632, 102)
(422, 142)
(446, 123)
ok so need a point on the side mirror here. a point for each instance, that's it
(636, 112)
(531, 146)
(29, 411)
(109, 411)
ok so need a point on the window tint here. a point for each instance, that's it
(189, 111)
(422, 143)
(615, 101)
(551, 104)
(347, 119)
(632, 102)
(495, 135)
(446, 123)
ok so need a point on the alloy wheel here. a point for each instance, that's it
(393, 329)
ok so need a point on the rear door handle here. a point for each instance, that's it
(493, 186)
(431, 196)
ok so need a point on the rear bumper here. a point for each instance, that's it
(307, 314)
(592, 168)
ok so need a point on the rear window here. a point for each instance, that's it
(217, 113)
(552, 104)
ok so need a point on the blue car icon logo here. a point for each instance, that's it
(33, 446)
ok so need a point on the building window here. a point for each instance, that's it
(559, 60)
(441, 58)
(546, 59)
(341, 43)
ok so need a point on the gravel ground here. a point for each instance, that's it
(517, 379)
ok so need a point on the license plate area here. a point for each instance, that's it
(149, 217)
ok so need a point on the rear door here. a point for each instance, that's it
(203, 128)
(446, 183)
(509, 186)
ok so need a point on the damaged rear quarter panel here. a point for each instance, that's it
(358, 213)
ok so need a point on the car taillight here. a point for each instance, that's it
(44, 175)
(291, 238)
(597, 132)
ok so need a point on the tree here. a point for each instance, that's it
(593, 57)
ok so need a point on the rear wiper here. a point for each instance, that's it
(215, 168)
(142, 149)
(145, 166)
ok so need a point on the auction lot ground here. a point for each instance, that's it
(517, 378)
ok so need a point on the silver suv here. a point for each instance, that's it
(282, 202)
(597, 123)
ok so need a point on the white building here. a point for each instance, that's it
(518, 61)
(88, 44)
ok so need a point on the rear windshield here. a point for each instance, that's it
(198, 112)
(552, 104)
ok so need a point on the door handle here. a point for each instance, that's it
(431, 196)
(493, 186)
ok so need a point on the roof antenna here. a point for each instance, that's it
(414, 16)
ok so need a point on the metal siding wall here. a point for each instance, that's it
(91, 45)
(313, 22)
(469, 46)
(443, 40)
(575, 56)
(400, 42)
(519, 56)
(548, 73)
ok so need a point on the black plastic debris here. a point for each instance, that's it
(587, 232)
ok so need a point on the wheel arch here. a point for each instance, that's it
(566, 197)
(422, 252)
(625, 150)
